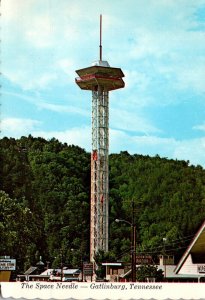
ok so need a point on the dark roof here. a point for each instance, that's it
(30, 270)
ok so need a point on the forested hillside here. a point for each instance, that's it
(44, 202)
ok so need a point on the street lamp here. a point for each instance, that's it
(133, 247)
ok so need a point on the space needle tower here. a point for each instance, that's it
(99, 78)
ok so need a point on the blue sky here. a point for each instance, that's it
(159, 45)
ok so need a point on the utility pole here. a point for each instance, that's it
(61, 255)
(133, 249)
(164, 258)
(133, 253)
(133, 242)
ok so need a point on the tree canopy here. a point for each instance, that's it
(45, 202)
(148, 273)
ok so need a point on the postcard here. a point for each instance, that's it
(102, 149)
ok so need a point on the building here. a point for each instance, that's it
(190, 268)
(114, 270)
(192, 263)
(32, 274)
(7, 266)
(120, 271)
(66, 275)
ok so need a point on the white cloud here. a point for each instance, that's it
(63, 108)
(152, 145)
(80, 136)
(125, 120)
(26, 79)
(177, 54)
(41, 33)
(41, 104)
(43, 81)
(67, 66)
(30, 99)
(15, 127)
(12, 11)
(136, 79)
(190, 150)
(200, 127)
(192, 76)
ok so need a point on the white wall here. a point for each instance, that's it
(188, 267)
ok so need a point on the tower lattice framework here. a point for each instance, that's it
(99, 171)
(99, 78)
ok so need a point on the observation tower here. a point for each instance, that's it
(99, 78)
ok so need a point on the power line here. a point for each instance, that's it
(160, 247)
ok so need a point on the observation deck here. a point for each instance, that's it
(100, 74)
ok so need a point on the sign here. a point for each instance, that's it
(88, 269)
(201, 268)
(143, 259)
(7, 264)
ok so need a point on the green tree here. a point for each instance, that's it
(17, 231)
(100, 257)
(145, 273)
(48, 184)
